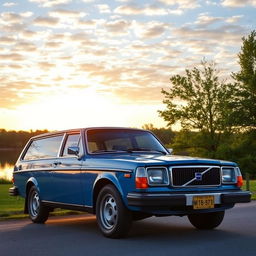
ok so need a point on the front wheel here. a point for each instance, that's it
(37, 212)
(113, 218)
(209, 220)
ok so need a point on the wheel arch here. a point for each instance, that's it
(30, 183)
(102, 182)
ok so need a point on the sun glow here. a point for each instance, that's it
(82, 108)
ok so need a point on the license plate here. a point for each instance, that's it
(203, 202)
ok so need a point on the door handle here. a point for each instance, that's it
(56, 163)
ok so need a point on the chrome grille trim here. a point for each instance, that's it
(188, 182)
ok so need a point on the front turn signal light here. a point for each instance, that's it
(141, 179)
(141, 182)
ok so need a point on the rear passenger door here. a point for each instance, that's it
(66, 176)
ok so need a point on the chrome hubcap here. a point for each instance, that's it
(108, 212)
(34, 204)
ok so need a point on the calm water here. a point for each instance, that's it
(7, 161)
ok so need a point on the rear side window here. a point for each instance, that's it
(44, 148)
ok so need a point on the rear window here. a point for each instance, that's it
(43, 148)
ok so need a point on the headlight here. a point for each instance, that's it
(229, 175)
(157, 176)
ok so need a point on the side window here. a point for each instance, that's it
(44, 148)
(72, 141)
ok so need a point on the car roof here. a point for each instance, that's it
(83, 129)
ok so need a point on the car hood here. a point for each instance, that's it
(131, 161)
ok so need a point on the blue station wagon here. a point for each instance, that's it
(121, 175)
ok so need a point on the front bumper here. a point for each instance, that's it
(186, 199)
(13, 191)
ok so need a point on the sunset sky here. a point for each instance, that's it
(67, 64)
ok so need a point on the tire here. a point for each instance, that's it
(37, 212)
(209, 220)
(113, 218)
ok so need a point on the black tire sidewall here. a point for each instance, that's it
(209, 220)
(123, 223)
(43, 212)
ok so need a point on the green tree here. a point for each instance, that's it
(200, 102)
(245, 106)
(166, 135)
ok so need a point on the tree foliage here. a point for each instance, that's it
(16, 139)
(166, 135)
(200, 102)
(245, 107)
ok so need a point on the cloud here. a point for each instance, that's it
(86, 24)
(53, 45)
(211, 3)
(220, 35)
(149, 30)
(118, 27)
(45, 65)
(10, 17)
(205, 20)
(50, 3)
(183, 4)
(26, 14)
(234, 19)
(11, 57)
(7, 40)
(238, 3)
(62, 13)
(23, 47)
(103, 8)
(46, 21)
(9, 4)
(133, 9)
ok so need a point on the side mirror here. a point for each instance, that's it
(73, 150)
(170, 150)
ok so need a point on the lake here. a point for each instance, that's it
(7, 160)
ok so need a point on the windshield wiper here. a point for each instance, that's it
(130, 150)
(107, 151)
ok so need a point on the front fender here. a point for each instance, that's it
(112, 178)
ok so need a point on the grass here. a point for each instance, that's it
(252, 184)
(11, 207)
(4, 181)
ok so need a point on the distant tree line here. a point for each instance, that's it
(217, 118)
(16, 139)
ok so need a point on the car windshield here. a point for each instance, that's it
(122, 140)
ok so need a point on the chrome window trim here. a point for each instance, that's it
(24, 152)
(195, 166)
(78, 169)
(158, 167)
(63, 144)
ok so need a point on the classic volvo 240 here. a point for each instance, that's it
(121, 175)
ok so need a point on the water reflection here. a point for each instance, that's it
(7, 161)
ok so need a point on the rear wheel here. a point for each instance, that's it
(113, 218)
(37, 212)
(209, 220)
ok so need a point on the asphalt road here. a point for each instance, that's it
(79, 235)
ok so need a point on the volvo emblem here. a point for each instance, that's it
(198, 176)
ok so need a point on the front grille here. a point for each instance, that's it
(186, 176)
